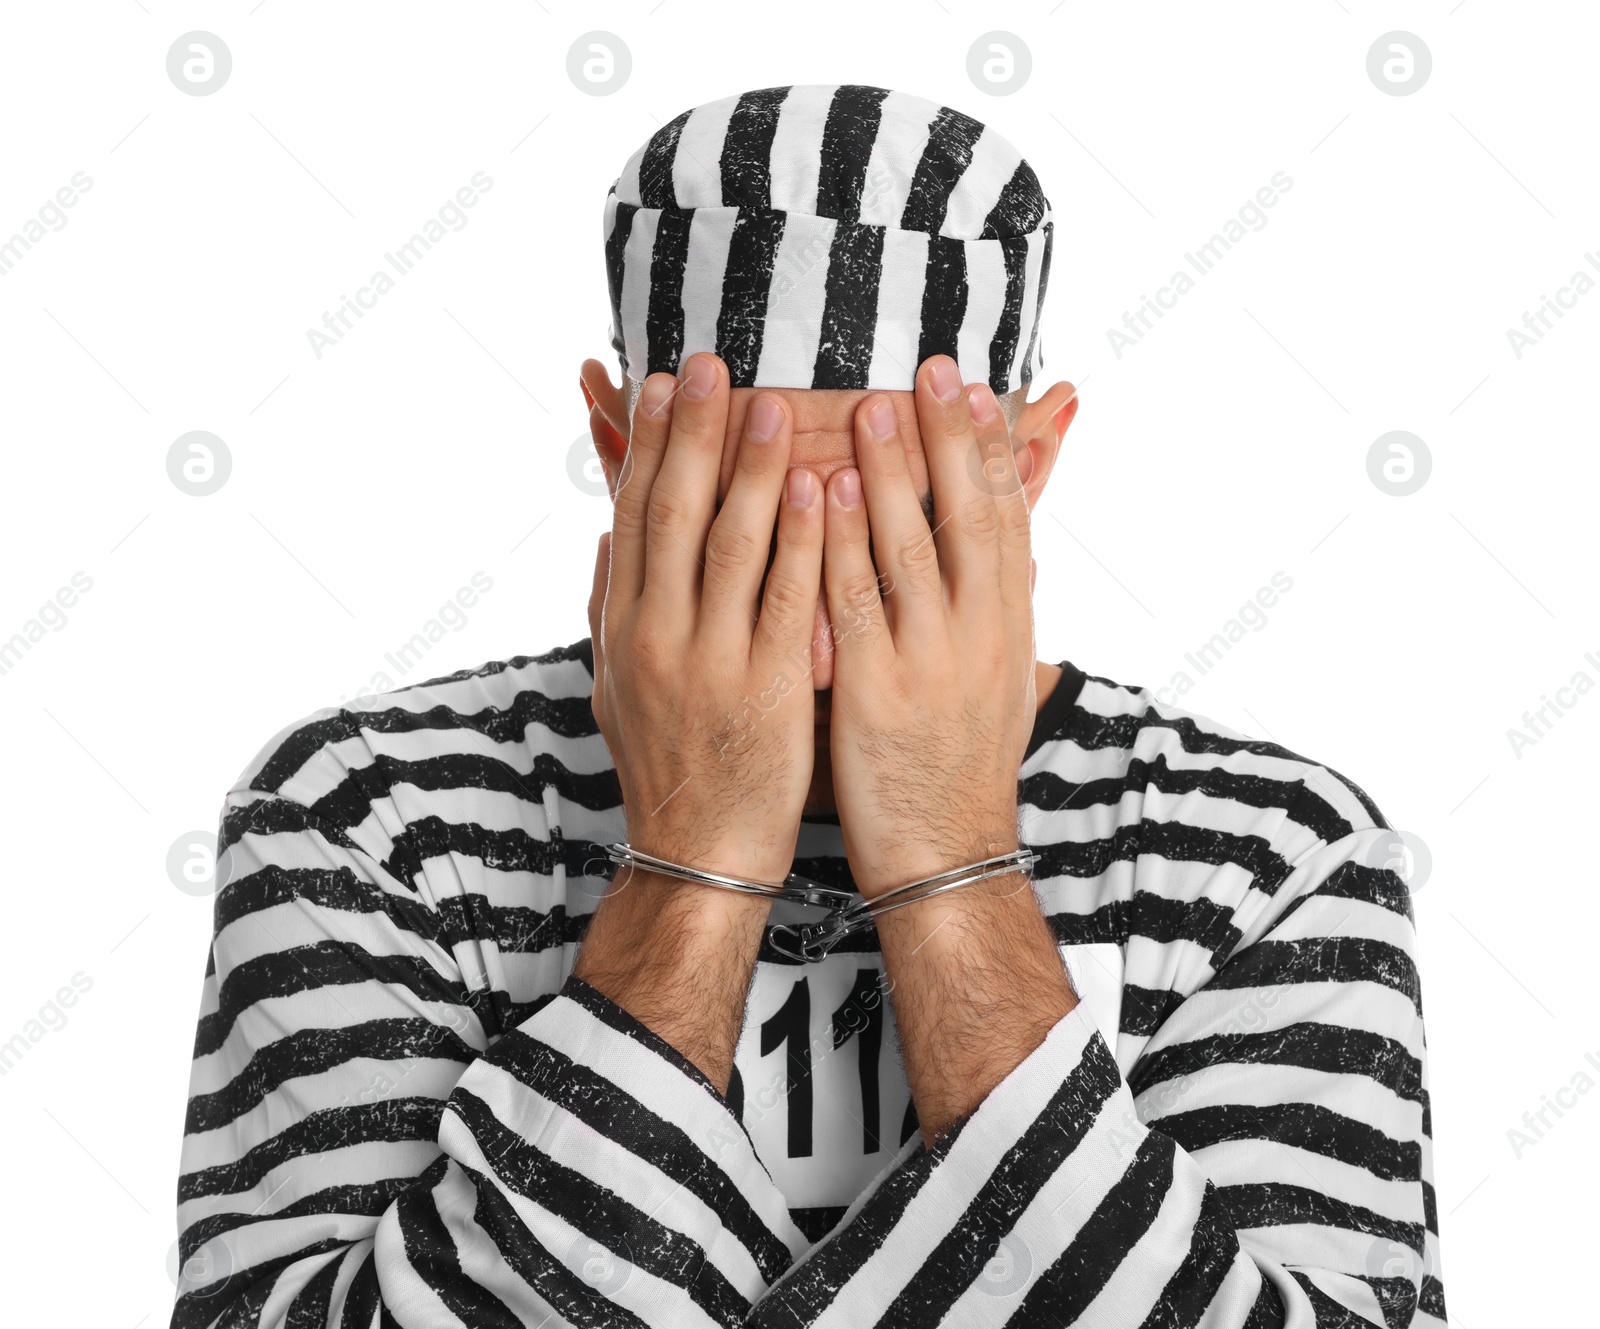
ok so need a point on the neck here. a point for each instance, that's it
(819, 799)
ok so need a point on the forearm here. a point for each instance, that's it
(679, 959)
(977, 983)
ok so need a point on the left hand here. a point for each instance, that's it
(934, 688)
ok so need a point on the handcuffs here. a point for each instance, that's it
(809, 942)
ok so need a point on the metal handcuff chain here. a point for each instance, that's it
(810, 942)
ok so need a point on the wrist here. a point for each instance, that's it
(678, 958)
(917, 856)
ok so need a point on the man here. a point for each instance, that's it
(446, 1074)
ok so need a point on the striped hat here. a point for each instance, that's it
(826, 236)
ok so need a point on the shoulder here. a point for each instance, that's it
(1179, 776)
(483, 727)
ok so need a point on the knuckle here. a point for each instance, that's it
(786, 595)
(918, 557)
(981, 516)
(859, 592)
(1013, 513)
(730, 549)
(668, 515)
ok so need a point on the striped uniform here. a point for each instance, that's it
(404, 1111)
(827, 236)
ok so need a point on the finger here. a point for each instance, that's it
(860, 633)
(1001, 476)
(903, 549)
(741, 535)
(966, 520)
(647, 441)
(782, 637)
(684, 497)
(597, 597)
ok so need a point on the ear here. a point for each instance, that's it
(1041, 426)
(608, 418)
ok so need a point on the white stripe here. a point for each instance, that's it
(1030, 303)
(986, 298)
(710, 234)
(898, 331)
(795, 301)
(568, 1028)
(797, 148)
(636, 289)
(697, 165)
(571, 1143)
(994, 161)
(902, 136)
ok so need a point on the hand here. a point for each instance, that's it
(702, 682)
(934, 688)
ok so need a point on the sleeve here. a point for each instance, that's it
(1267, 1161)
(360, 1149)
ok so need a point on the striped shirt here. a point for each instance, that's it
(403, 1110)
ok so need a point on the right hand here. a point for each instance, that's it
(703, 681)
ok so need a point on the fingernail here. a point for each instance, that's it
(657, 391)
(802, 487)
(880, 419)
(848, 487)
(981, 400)
(946, 379)
(765, 417)
(699, 378)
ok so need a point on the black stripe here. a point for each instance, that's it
(1007, 331)
(854, 117)
(363, 1200)
(1330, 1048)
(815, 1283)
(656, 186)
(567, 717)
(944, 297)
(316, 1051)
(575, 1300)
(361, 1298)
(1326, 1312)
(664, 317)
(1019, 209)
(430, 1248)
(1308, 1126)
(600, 1214)
(309, 1310)
(746, 286)
(1028, 1165)
(746, 162)
(1063, 1291)
(1267, 1311)
(616, 247)
(339, 889)
(328, 963)
(1276, 1204)
(944, 160)
(850, 307)
(618, 1116)
(817, 1221)
(1270, 964)
(1431, 1299)
(1144, 1010)
(1213, 1250)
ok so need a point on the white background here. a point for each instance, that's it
(368, 485)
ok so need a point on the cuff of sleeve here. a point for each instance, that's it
(610, 1134)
